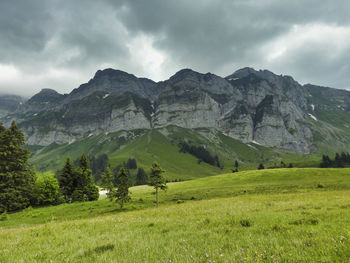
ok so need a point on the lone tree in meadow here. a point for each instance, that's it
(122, 193)
(107, 182)
(261, 167)
(16, 176)
(157, 180)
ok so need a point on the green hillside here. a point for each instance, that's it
(162, 145)
(281, 215)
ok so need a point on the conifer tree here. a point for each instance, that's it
(16, 177)
(107, 180)
(85, 190)
(66, 179)
(141, 177)
(122, 193)
(157, 180)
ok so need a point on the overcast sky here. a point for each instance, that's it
(61, 44)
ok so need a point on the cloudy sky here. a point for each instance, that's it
(60, 44)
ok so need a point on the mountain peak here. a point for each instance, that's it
(110, 72)
(46, 96)
(241, 73)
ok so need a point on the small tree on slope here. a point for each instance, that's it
(107, 180)
(157, 180)
(122, 192)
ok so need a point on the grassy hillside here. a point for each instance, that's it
(262, 182)
(285, 215)
(161, 145)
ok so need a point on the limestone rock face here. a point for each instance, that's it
(249, 105)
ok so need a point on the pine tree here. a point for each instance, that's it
(122, 193)
(16, 177)
(86, 190)
(141, 177)
(157, 180)
(107, 182)
(66, 179)
(236, 164)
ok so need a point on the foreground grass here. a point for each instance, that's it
(292, 227)
(262, 182)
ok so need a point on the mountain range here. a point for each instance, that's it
(256, 108)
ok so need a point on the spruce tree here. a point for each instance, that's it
(107, 182)
(16, 177)
(122, 193)
(157, 180)
(66, 180)
(141, 177)
(85, 190)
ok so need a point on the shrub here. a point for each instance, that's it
(46, 190)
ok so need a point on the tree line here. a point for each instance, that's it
(340, 161)
(201, 153)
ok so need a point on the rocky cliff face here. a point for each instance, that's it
(249, 105)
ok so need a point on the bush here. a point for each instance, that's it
(46, 190)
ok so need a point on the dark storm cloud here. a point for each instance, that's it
(60, 44)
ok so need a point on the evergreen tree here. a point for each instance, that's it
(66, 180)
(157, 180)
(131, 164)
(290, 165)
(141, 177)
(236, 164)
(107, 182)
(16, 177)
(261, 166)
(84, 181)
(122, 193)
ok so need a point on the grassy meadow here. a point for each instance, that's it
(280, 215)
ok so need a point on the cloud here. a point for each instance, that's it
(60, 44)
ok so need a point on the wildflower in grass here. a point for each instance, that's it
(241, 249)
(207, 255)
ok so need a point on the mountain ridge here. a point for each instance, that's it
(248, 105)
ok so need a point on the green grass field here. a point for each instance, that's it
(281, 215)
